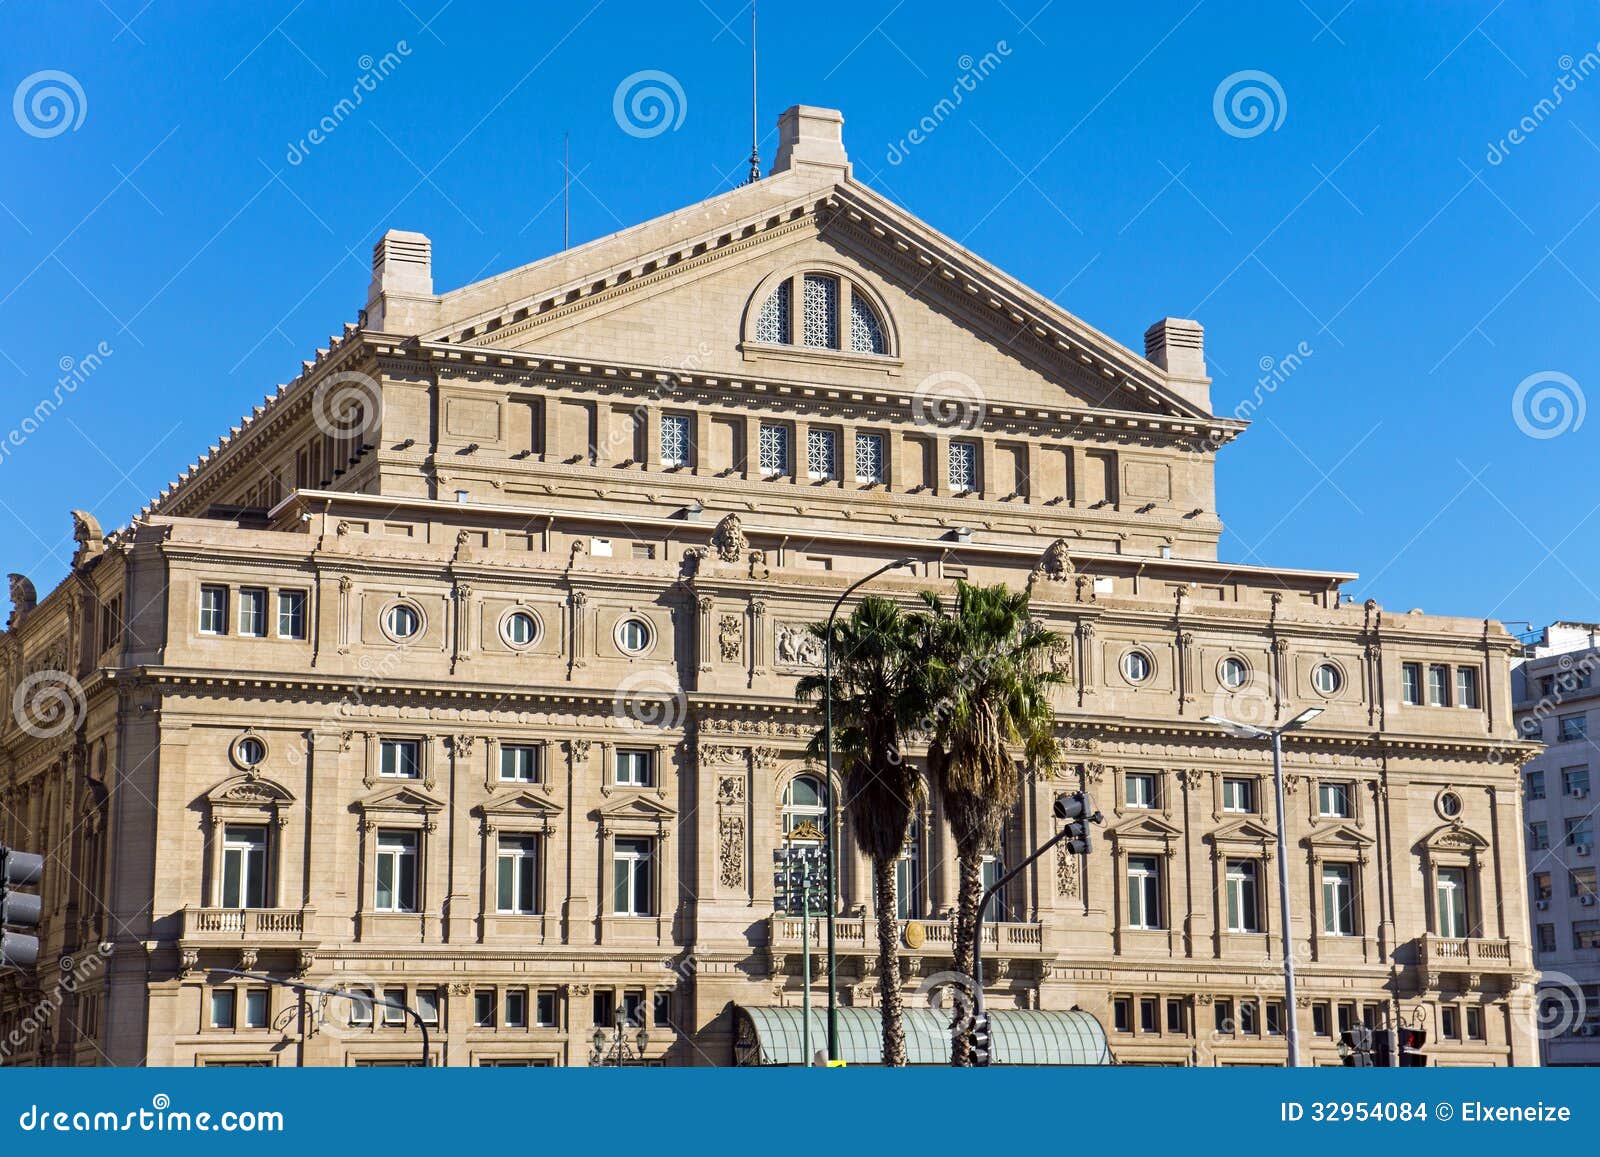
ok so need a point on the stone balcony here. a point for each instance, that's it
(1470, 958)
(245, 927)
(857, 936)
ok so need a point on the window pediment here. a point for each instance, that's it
(1244, 835)
(248, 799)
(635, 813)
(1454, 838)
(1144, 828)
(1341, 836)
(400, 802)
(523, 811)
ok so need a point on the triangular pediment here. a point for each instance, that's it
(636, 807)
(631, 292)
(1144, 827)
(1338, 836)
(400, 797)
(1245, 831)
(523, 804)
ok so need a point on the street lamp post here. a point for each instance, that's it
(299, 988)
(1291, 1028)
(800, 880)
(833, 800)
(612, 1048)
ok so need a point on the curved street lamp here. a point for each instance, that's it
(612, 1046)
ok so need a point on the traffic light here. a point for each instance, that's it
(1078, 811)
(1358, 1048)
(982, 1037)
(20, 910)
(1412, 1041)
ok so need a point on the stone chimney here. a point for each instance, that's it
(401, 299)
(811, 138)
(1178, 346)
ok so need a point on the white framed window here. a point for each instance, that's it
(674, 440)
(396, 874)
(244, 866)
(772, 450)
(402, 621)
(249, 751)
(1411, 684)
(634, 635)
(772, 323)
(994, 868)
(1467, 688)
(1327, 679)
(253, 612)
(428, 1005)
(870, 466)
(394, 1008)
(1338, 900)
(636, 767)
(291, 614)
(519, 762)
(483, 1008)
(257, 1008)
(516, 1008)
(400, 758)
(1438, 685)
(907, 880)
(1233, 672)
(223, 1007)
(1335, 800)
(1144, 892)
(866, 331)
(1244, 899)
(820, 324)
(963, 467)
(1238, 795)
(519, 629)
(545, 1009)
(1451, 889)
(213, 610)
(360, 1002)
(632, 877)
(1137, 667)
(805, 800)
(517, 875)
(1140, 789)
(822, 455)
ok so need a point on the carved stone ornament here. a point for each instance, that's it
(730, 637)
(87, 534)
(1055, 564)
(730, 851)
(797, 647)
(1066, 872)
(1193, 778)
(730, 790)
(23, 599)
(728, 539)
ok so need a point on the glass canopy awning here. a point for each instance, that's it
(773, 1036)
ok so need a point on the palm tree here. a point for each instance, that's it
(989, 675)
(873, 678)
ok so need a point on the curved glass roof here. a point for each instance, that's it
(1021, 1036)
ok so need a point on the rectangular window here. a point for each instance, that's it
(291, 614)
(360, 1002)
(517, 1008)
(545, 1008)
(213, 610)
(1320, 1020)
(1575, 782)
(1175, 1018)
(1542, 888)
(661, 1013)
(773, 450)
(483, 1008)
(963, 467)
(1334, 800)
(1249, 1024)
(1144, 892)
(394, 1008)
(1347, 1018)
(1581, 883)
(1574, 727)
(1450, 1023)
(1141, 790)
(1244, 910)
(870, 466)
(1580, 833)
(632, 890)
(257, 1008)
(1411, 684)
(400, 758)
(635, 768)
(1226, 1025)
(1586, 934)
(244, 866)
(633, 1007)
(1238, 795)
(396, 872)
(993, 869)
(1535, 785)
(1438, 685)
(518, 875)
(428, 1005)
(222, 1007)
(519, 762)
(605, 1005)
(1338, 900)
(1547, 938)
(1122, 1014)
(253, 612)
(1538, 836)
(822, 455)
(674, 440)
(1452, 894)
(1467, 688)
(905, 885)
(1474, 1023)
(1150, 1015)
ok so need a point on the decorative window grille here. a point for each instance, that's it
(772, 325)
(774, 449)
(866, 334)
(822, 311)
(963, 467)
(822, 454)
(869, 458)
(674, 440)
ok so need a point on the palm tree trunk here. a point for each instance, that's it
(890, 999)
(969, 898)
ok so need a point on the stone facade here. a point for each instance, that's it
(464, 668)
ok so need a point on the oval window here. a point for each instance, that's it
(402, 621)
(1137, 666)
(250, 751)
(1234, 673)
(1327, 679)
(633, 635)
(1449, 805)
(520, 629)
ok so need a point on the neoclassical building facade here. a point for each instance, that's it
(460, 674)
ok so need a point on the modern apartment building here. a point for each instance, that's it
(1558, 704)
(461, 674)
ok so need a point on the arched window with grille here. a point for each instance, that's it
(821, 310)
(805, 807)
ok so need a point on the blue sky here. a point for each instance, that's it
(175, 218)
